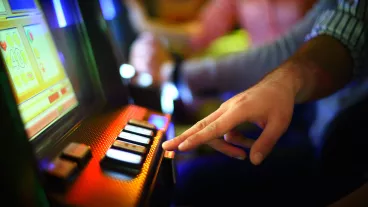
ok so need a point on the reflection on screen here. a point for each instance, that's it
(22, 4)
(43, 91)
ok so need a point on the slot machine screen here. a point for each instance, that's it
(42, 88)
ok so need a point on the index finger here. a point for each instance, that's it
(217, 128)
(174, 143)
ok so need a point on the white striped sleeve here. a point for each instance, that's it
(348, 24)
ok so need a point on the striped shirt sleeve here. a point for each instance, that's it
(347, 24)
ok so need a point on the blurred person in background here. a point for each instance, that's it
(197, 23)
(264, 20)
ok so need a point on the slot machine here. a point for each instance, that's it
(70, 136)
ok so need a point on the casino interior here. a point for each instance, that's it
(97, 139)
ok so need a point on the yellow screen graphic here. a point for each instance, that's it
(43, 91)
(19, 66)
(46, 61)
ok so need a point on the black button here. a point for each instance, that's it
(77, 152)
(62, 169)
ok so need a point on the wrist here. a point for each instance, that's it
(288, 77)
(319, 68)
(295, 78)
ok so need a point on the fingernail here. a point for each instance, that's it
(164, 145)
(182, 146)
(240, 158)
(258, 158)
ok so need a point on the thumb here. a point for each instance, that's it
(267, 140)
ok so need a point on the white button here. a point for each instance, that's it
(123, 156)
(134, 138)
(139, 130)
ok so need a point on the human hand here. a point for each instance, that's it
(148, 55)
(268, 105)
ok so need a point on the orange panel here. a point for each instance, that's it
(94, 187)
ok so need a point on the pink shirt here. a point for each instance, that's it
(264, 20)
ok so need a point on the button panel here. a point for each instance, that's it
(130, 148)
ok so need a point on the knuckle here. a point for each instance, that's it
(237, 101)
(226, 105)
(241, 99)
(201, 124)
(190, 141)
(213, 129)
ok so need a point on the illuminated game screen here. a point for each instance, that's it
(43, 90)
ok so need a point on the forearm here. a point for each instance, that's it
(241, 71)
(319, 68)
(237, 72)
